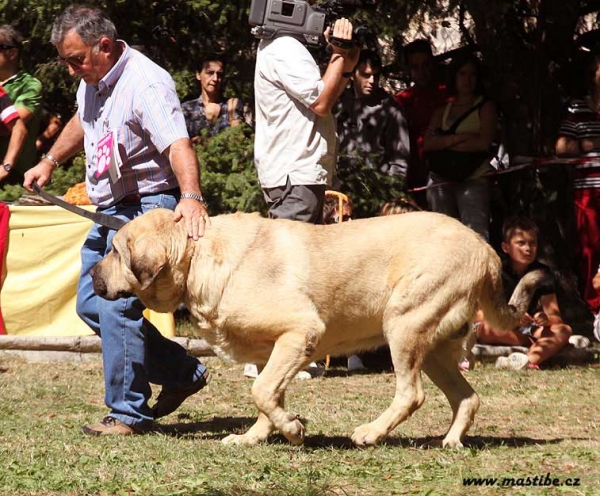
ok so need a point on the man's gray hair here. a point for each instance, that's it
(90, 23)
(10, 36)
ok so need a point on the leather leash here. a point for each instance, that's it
(99, 218)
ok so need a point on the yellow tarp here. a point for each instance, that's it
(42, 269)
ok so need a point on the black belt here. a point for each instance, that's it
(99, 218)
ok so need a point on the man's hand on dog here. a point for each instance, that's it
(194, 215)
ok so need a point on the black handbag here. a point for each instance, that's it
(453, 165)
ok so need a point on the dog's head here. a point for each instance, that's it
(150, 259)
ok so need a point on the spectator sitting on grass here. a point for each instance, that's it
(400, 205)
(543, 330)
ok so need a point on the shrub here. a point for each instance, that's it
(62, 179)
(367, 188)
(229, 179)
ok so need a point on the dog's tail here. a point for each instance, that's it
(499, 313)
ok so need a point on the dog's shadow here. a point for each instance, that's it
(219, 427)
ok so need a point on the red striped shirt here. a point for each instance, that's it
(582, 122)
(8, 111)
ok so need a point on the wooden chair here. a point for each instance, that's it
(344, 204)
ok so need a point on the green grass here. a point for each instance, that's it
(530, 424)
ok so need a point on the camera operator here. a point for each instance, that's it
(295, 131)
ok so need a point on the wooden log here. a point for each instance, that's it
(86, 344)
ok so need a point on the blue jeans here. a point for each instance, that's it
(134, 352)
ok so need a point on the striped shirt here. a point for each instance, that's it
(8, 111)
(136, 101)
(582, 122)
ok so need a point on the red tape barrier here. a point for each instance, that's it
(534, 164)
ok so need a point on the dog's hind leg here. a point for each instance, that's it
(441, 365)
(406, 349)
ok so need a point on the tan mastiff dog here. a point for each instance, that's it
(282, 294)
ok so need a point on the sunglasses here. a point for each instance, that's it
(73, 61)
(6, 47)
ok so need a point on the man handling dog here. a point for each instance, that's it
(139, 157)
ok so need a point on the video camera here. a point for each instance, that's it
(298, 17)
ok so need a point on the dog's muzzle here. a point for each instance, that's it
(101, 289)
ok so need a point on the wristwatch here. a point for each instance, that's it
(7, 166)
(192, 196)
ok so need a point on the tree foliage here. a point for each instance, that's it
(369, 189)
(229, 179)
(62, 179)
(528, 45)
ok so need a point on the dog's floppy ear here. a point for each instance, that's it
(147, 263)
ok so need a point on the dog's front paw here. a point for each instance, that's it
(367, 435)
(451, 443)
(294, 432)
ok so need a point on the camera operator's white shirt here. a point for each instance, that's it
(291, 140)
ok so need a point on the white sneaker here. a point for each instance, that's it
(514, 361)
(303, 375)
(311, 371)
(597, 326)
(251, 370)
(579, 341)
(355, 363)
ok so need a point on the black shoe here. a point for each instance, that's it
(170, 400)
